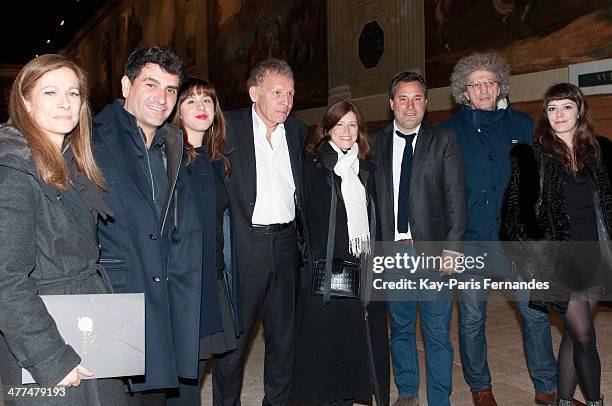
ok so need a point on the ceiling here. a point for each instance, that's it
(32, 28)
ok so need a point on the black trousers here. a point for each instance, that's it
(148, 398)
(267, 289)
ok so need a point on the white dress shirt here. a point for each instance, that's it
(398, 155)
(274, 202)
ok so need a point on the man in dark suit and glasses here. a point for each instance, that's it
(421, 196)
(265, 147)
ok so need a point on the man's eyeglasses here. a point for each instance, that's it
(485, 83)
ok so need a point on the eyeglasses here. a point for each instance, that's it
(478, 83)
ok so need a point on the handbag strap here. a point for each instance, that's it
(331, 239)
(372, 221)
(541, 174)
(368, 264)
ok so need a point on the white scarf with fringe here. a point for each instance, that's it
(354, 195)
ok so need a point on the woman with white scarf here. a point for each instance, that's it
(337, 350)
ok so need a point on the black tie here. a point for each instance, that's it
(404, 186)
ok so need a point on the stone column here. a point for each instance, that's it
(338, 50)
(410, 35)
(402, 22)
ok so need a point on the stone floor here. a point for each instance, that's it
(511, 382)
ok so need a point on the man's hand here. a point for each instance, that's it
(449, 262)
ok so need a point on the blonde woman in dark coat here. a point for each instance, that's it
(48, 244)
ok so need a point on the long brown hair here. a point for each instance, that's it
(334, 113)
(215, 136)
(46, 156)
(585, 144)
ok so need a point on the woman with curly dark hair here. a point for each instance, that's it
(560, 195)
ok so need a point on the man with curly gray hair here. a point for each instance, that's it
(462, 80)
(487, 128)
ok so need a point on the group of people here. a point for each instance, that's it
(224, 219)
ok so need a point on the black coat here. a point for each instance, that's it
(193, 231)
(135, 248)
(331, 359)
(48, 247)
(539, 230)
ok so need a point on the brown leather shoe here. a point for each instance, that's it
(483, 397)
(406, 401)
(545, 398)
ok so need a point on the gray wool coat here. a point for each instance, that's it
(47, 246)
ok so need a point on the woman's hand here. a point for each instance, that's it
(73, 378)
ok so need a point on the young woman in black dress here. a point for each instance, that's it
(203, 224)
(559, 195)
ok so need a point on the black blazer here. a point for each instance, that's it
(438, 199)
(242, 182)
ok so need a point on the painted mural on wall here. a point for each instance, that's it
(104, 51)
(242, 33)
(534, 35)
(5, 92)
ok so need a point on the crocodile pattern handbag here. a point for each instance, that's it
(344, 278)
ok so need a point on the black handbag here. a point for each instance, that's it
(523, 266)
(344, 278)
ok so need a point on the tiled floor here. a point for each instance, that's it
(511, 382)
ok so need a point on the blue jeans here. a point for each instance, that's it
(473, 342)
(435, 311)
